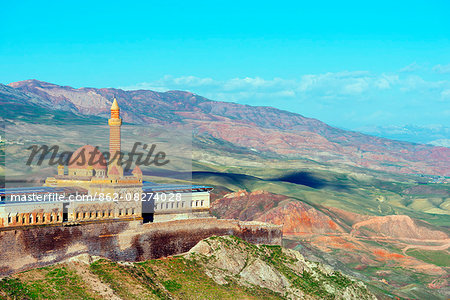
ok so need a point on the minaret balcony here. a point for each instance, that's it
(115, 122)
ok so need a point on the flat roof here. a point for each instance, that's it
(156, 187)
(146, 187)
(40, 190)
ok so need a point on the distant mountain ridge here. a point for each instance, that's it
(263, 129)
(437, 135)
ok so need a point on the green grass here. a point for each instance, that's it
(172, 285)
(438, 258)
(351, 189)
(129, 282)
(14, 288)
(46, 283)
(186, 279)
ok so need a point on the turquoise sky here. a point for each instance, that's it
(348, 63)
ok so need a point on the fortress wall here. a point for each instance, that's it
(25, 248)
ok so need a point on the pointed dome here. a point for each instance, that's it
(113, 171)
(115, 105)
(137, 171)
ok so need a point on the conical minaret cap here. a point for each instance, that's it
(115, 106)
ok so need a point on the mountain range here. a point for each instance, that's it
(437, 135)
(338, 194)
(261, 130)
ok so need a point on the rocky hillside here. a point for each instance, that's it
(216, 268)
(262, 129)
(296, 217)
(406, 256)
(20, 106)
(398, 226)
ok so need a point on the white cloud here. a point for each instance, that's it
(442, 69)
(419, 84)
(340, 83)
(386, 81)
(325, 87)
(445, 94)
(410, 68)
(192, 81)
(359, 86)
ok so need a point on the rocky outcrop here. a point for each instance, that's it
(243, 205)
(284, 271)
(296, 217)
(397, 226)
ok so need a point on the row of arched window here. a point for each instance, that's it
(197, 203)
(103, 214)
(176, 204)
(169, 205)
(29, 218)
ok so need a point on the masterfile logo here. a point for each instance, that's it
(141, 155)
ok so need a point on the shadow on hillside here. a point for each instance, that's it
(301, 178)
(236, 178)
(304, 178)
(312, 181)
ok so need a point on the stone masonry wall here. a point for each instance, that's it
(25, 248)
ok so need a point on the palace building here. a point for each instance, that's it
(97, 190)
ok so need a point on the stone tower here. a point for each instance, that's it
(115, 122)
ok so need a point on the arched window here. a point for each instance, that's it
(30, 220)
(43, 218)
(9, 219)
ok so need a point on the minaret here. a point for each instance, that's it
(114, 135)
